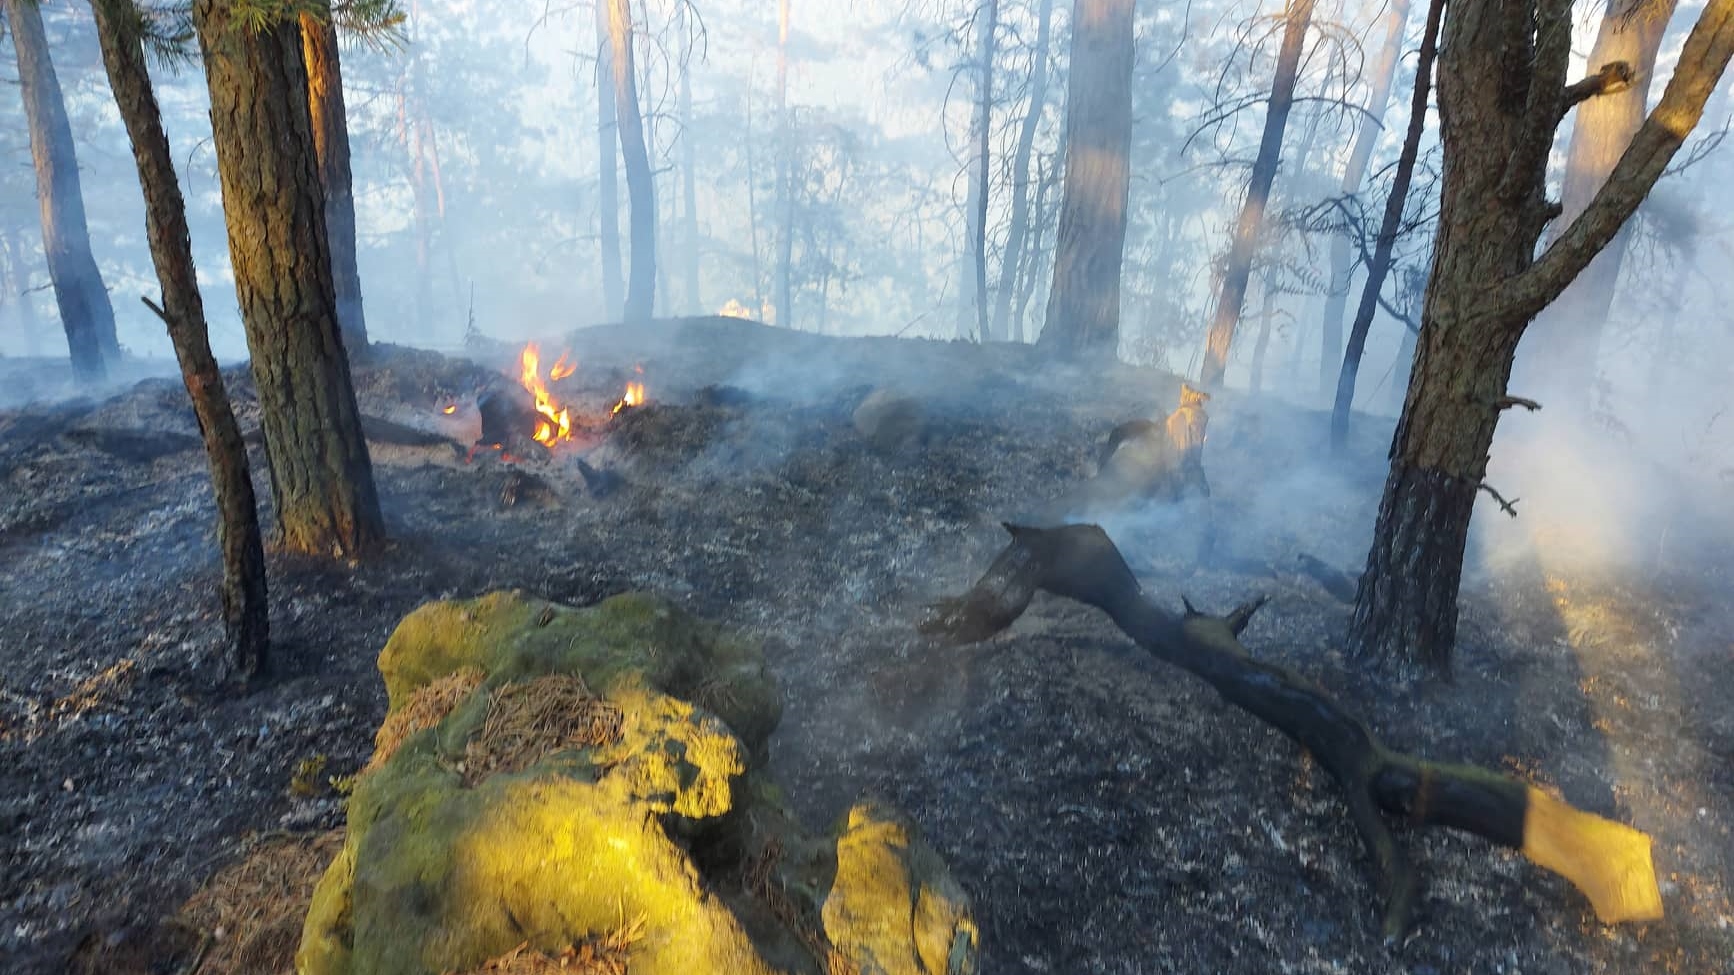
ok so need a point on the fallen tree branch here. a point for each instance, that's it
(1608, 861)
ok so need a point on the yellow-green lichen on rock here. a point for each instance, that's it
(457, 853)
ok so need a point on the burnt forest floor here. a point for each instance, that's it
(1105, 812)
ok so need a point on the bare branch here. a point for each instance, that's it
(1509, 507)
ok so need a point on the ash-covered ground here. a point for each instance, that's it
(1106, 813)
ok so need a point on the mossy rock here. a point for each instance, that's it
(633, 801)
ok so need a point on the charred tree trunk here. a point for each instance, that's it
(1297, 18)
(980, 128)
(1020, 203)
(1610, 862)
(1384, 70)
(85, 311)
(1083, 316)
(1380, 264)
(245, 617)
(785, 192)
(640, 185)
(1502, 91)
(331, 144)
(321, 477)
(689, 177)
(1566, 341)
(608, 166)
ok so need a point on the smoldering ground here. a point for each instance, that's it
(1106, 813)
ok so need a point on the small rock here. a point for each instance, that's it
(890, 421)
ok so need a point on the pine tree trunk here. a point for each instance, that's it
(980, 128)
(1083, 315)
(1383, 72)
(640, 185)
(321, 477)
(1021, 190)
(85, 311)
(1380, 264)
(608, 156)
(16, 282)
(753, 210)
(1298, 16)
(689, 178)
(785, 192)
(1565, 341)
(245, 616)
(1259, 348)
(331, 144)
(1501, 91)
(1033, 253)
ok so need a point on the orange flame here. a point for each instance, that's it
(555, 424)
(634, 397)
(449, 410)
(561, 369)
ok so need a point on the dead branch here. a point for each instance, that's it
(1507, 402)
(1509, 507)
(1613, 78)
(1606, 860)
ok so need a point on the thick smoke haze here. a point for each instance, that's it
(477, 193)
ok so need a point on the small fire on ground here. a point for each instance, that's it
(554, 421)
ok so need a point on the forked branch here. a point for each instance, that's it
(1608, 861)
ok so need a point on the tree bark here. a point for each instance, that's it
(785, 311)
(321, 477)
(245, 616)
(1020, 203)
(1610, 862)
(689, 176)
(1297, 18)
(85, 311)
(1083, 314)
(640, 185)
(331, 148)
(1566, 339)
(1501, 91)
(980, 128)
(1384, 71)
(608, 166)
(1380, 264)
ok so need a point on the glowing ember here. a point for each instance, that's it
(554, 422)
(449, 410)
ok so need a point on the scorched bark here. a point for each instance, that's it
(321, 476)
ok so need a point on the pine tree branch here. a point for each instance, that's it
(1703, 59)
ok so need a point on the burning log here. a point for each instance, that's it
(1608, 861)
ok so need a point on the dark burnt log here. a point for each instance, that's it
(507, 415)
(1608, 861)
